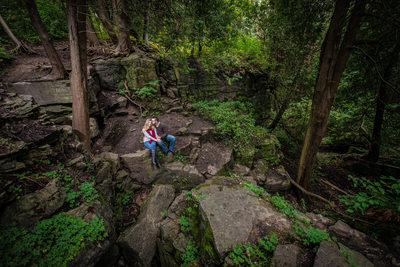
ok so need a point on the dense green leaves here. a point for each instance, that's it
(52, 242)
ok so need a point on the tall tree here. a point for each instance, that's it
(19, 44)
(122, 21)
(58, 69)
(76, 17)
(101, 10)
(335, 52)
(380, 104)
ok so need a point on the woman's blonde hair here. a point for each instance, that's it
(147, 125)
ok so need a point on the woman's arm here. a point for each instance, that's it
(149, 136)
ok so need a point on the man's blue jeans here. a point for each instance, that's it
(171, 140)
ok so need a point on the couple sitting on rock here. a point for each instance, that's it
(152, 138)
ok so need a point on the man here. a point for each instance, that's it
(162, 131)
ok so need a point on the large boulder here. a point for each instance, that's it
(331, 254)
(17, 106)
(358, 241)
(138, 242)
(35, 206)
(139, 166)
(108, 72)
(212, 158)
(139, 70)
(92, 253)
(232, 214)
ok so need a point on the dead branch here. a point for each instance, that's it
(308, 193)
(364, 130)
(334, 186)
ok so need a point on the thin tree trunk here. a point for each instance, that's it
(279, 115)
(18, 43)
(91, 33)
(373, 154)
(333, 59)
(57, 67)
(122, 21)
(100, 9)
(76, 18)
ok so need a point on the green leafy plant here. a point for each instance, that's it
(256, 255)
(181, 158)
(185, 224)
(349, 255)
(52, 242)
(384, 193)
(255, 188)
(191, 253)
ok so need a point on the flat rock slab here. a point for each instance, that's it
(45, 92)
(234, 213)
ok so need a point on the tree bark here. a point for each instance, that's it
(76, 18)
(333, 59)
(373, 153)
(57, 67)
(122, 21)
(100, 9)
(91, 33)
(18, 43)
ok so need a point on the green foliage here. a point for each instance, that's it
(17, 18)
(191, 253)
(256, 255)
(384, 193)
(255, 188)
(234, 123)
(349, 255)
(181, 158)
(185, 224)
(284, 206)
(52, 242)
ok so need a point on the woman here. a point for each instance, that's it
(150, 140)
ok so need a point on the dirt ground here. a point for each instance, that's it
(36, 67)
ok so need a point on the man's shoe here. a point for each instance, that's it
(173, 153)
(165, 153)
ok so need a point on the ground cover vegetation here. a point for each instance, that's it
(285, 41)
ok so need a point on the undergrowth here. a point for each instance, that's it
(52, 242)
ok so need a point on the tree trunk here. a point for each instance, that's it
(122, 21)
(100, 9)
(18, 43)
(57, 67)
(279, 115)
(91, 33)
(76, 18)
(373, 154)
(333, 59)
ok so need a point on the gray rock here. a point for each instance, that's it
(319, 221)
(330, 255)
(35, 206)
(241, 169)
(212, 158)
(287, 256)
(139, 165)
(138, 242)
(234, 215)
(21, 106)
(358, 241)
(104, 172)
(276, 179)
(92, 253)
(109, 73)
(139, 70)
(112, 158)
(47, 92)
